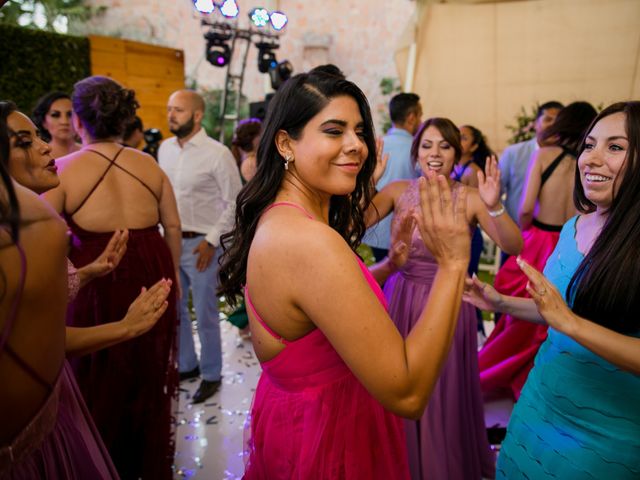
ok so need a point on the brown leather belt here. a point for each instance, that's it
(192, 234)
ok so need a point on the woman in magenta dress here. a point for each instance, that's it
(336, 373)
(449, 441)
(131, 388)
(507, 356)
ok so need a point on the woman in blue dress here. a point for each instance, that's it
(579, 413)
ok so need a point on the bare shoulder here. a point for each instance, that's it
(32, 208)
(397, 187)
(546, 155)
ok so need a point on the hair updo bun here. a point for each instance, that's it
(103, 106)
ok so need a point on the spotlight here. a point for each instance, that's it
(280, 73)
(204, 6)
(259, 17)
(266, 57)
(218, 52)
(278, 20)
(229, 9)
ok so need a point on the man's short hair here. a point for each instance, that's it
(548, 105)
(401, 105)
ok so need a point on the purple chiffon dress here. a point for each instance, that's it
(450, 440)
(61, 440)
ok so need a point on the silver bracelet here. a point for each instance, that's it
(498, 212)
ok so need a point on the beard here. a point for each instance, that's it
(183, 130)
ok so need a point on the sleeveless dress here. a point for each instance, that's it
(450, 440)
(311, 418)
(578, 416)
(507, 356)
(61, 440)
(130, 388)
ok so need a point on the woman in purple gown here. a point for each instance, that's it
(450, 440)
(60, 439)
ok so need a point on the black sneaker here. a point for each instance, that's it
(190, 374)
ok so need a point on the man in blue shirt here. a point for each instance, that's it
(406, 114)
(514, 162)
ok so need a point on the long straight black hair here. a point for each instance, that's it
(606, 286)
(9, 210)
(294, 105)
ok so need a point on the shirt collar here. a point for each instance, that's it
(198, 139)
(399, 131)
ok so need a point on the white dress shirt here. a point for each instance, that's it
(206, 182)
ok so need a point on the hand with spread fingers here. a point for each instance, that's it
(381, 161)
(549, 301)
(443, 221)
(489, 183)
(481, 295)
(108, 260)
(401, 240)
(147, 308)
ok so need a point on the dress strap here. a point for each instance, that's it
(288, 204)
(458, 175)
(552, 166)
(247, 299)
(112, 163)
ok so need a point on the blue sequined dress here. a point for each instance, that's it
(578, 416)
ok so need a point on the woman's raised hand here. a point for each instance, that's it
(401, 240)
(550, 303)
(481, 295)
(146, 309)
(443, 221)
(489, 183)
(381, 161)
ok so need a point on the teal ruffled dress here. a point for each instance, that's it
(578, 416)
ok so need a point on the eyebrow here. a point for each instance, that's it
(615, 137)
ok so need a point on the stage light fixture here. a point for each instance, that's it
(229, 9)
(278, 20)
(218, 52)
(259, 17)
(266, 57)
(204, 6)
(280, 73)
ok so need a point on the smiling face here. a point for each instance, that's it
(435, 153)
(57, 121)
(30, 160)
(602, 162)
(331, 150)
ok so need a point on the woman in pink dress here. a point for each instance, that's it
(337, 375)
(507, 356)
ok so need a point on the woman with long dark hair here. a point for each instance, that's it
(578, 415)
(507, 356)
(336, 372)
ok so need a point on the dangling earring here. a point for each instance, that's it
(287, 159)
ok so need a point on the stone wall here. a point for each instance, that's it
(360, 36)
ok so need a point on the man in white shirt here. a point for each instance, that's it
(206, 181)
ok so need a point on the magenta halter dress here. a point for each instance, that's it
(312, 419)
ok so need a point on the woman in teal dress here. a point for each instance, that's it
(579, 413)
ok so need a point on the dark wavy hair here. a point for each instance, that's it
(39, 112)
(246, 132)
(447, 129)
(103, 106)
(570, 125)
(479, 156)
(300, 99)
(9, 209)
(606, 286)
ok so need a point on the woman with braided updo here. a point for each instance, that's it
(104, 187)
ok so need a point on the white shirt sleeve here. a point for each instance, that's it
(227, 176)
